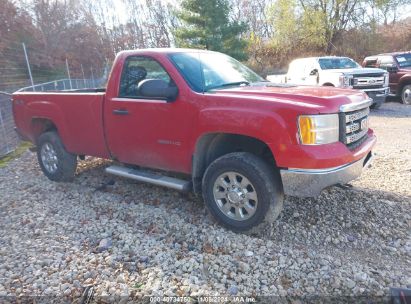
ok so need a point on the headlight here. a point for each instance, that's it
(386, 79)
(318, 129)
(345, 81)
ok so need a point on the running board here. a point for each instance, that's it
(148, 177)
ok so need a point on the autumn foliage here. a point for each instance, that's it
(269, 33)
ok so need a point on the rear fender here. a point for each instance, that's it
(404, 80)
(44, 110)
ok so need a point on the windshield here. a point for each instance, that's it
(337, 63)
(404, 60)
(205, 71)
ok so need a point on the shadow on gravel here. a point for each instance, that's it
(354, 218)
(393, 108)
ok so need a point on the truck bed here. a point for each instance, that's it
(78, 115)
(277, 78)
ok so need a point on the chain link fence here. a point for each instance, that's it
(9, 139)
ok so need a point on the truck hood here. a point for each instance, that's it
(313, 99)
(356, 71)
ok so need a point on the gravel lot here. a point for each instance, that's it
(131, 239)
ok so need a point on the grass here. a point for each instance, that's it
(16, 153)
(138, 285)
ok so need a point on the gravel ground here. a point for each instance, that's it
(130, 239)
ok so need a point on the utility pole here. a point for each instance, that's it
(28, 65)
(84, 77)
(68, 73)
(92, 76)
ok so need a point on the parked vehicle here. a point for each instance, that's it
(341, 72)
(221, 130)
(398, 66)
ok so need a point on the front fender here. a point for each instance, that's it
(332, 78)
(269, 127)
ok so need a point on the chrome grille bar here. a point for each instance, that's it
(356, 136)
(354, 123)
(368, 81)
(352, 127)
(356, 106)
(357, 115)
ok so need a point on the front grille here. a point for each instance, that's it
(354, 127)
(368, 82)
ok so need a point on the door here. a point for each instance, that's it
(295, 74)
(311, 73)
(149, 132)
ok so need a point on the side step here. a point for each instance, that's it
(148, 177)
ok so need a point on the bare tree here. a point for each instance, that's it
(254, 14)
(152, 22)
(337, 15)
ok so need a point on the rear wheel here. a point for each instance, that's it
(241, 190)
(406, 94)
(55, 162)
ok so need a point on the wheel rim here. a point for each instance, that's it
(406, 95)
(49, 157)
(235, 196)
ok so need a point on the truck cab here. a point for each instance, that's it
(341, 72)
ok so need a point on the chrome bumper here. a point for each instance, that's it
(382, 92)
(310, 182)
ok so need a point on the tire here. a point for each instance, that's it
(55, 162)
(240, 190)
(377, 105)
(406, 94)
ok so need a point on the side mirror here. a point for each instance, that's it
(314, 72)
(157, 88)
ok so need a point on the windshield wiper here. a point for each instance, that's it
(229, 84)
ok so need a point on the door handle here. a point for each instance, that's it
(121, 112)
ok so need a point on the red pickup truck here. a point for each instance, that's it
(200, 120)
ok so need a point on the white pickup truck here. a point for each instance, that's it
(340, 72)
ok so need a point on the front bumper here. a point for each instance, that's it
(310, 182)
(379, 92)
(377, 95)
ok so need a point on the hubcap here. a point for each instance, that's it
(49, 157)
(407, 95)
(235, 196)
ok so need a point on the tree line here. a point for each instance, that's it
(266, 34)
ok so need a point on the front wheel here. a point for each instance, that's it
(55, 162)
(376, 105)
(241, 190)
(406, 94)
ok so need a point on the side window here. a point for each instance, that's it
(309, 67)
(386, 62)
(370, 63)
(135, 70)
